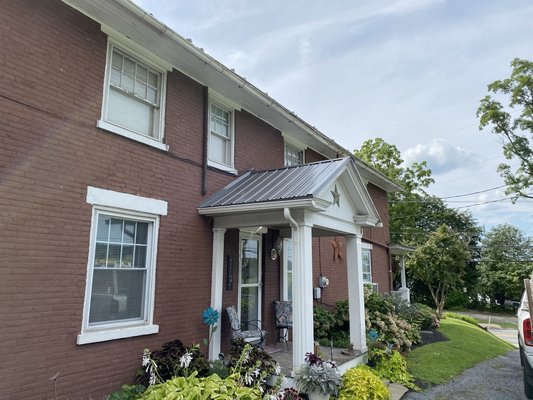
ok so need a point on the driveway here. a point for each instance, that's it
(496, 379)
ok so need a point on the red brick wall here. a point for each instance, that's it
(51, 92)
(334, 269)
(313, 156)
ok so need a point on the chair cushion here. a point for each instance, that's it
(251, 334)
(283, 310)
(234, 321)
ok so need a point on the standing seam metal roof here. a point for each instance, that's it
(289, 183)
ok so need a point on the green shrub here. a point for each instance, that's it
(128, 392)
(220, 368)
(392, 366)
(461, 317)
(193, 387)
(361, 383)
(324, 321)
(342, 314)
(457, 299)
(416, 313)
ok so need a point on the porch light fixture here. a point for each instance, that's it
(276, 251)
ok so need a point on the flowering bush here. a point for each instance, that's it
(415, 313)
(391, 329)
(318, 375)
(174, 359)
(253, 365)
(289, 394)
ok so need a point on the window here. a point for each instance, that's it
(119, 296)
(293, 156)
(221, 137)
(133, 97)
(287, 269)
(367, 266)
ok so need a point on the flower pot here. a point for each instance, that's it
(317, 395)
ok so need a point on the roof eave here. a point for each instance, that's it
(307, 203)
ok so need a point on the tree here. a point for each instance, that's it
(515, 132)
(414, 179)
(506, 259)
(440, 263)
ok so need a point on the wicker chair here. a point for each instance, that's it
(255, 337)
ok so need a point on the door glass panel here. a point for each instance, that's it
(250, 266)
(287, 269)
(249, 307)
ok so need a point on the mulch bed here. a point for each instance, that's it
(430, 336)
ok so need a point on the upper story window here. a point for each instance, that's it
(293, 155)
(119, 297)
(221, 136)
(134, 96)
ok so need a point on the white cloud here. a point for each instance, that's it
(441, 156)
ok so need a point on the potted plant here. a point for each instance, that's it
(318, 378)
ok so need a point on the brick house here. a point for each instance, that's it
(120, 140)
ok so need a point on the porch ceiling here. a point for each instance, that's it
(328, 194)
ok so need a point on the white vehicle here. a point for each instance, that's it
(525, 338)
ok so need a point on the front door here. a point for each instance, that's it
(250, 280)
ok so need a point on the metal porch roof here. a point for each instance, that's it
(289, 183)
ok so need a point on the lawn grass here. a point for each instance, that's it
(439, 362)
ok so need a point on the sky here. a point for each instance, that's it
(409, 71)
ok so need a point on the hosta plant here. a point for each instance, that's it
(392, 366)
(318, 375)
(193, 387)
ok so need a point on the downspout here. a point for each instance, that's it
(205, 140)
(292, 222)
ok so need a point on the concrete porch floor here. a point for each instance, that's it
(282, 354)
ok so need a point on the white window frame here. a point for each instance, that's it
(296, 149)
(295, 144)
(139, 56)
(230, 108)
(366, 248)
(122, 205)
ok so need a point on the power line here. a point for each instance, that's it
(469, 194)
(488, 202)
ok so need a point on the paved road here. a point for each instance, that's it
(509, 335)
(496, 379)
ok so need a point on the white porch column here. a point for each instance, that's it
(356, 300)
(217, 280)
(402, 272)
(404, 290)
(302, 299)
